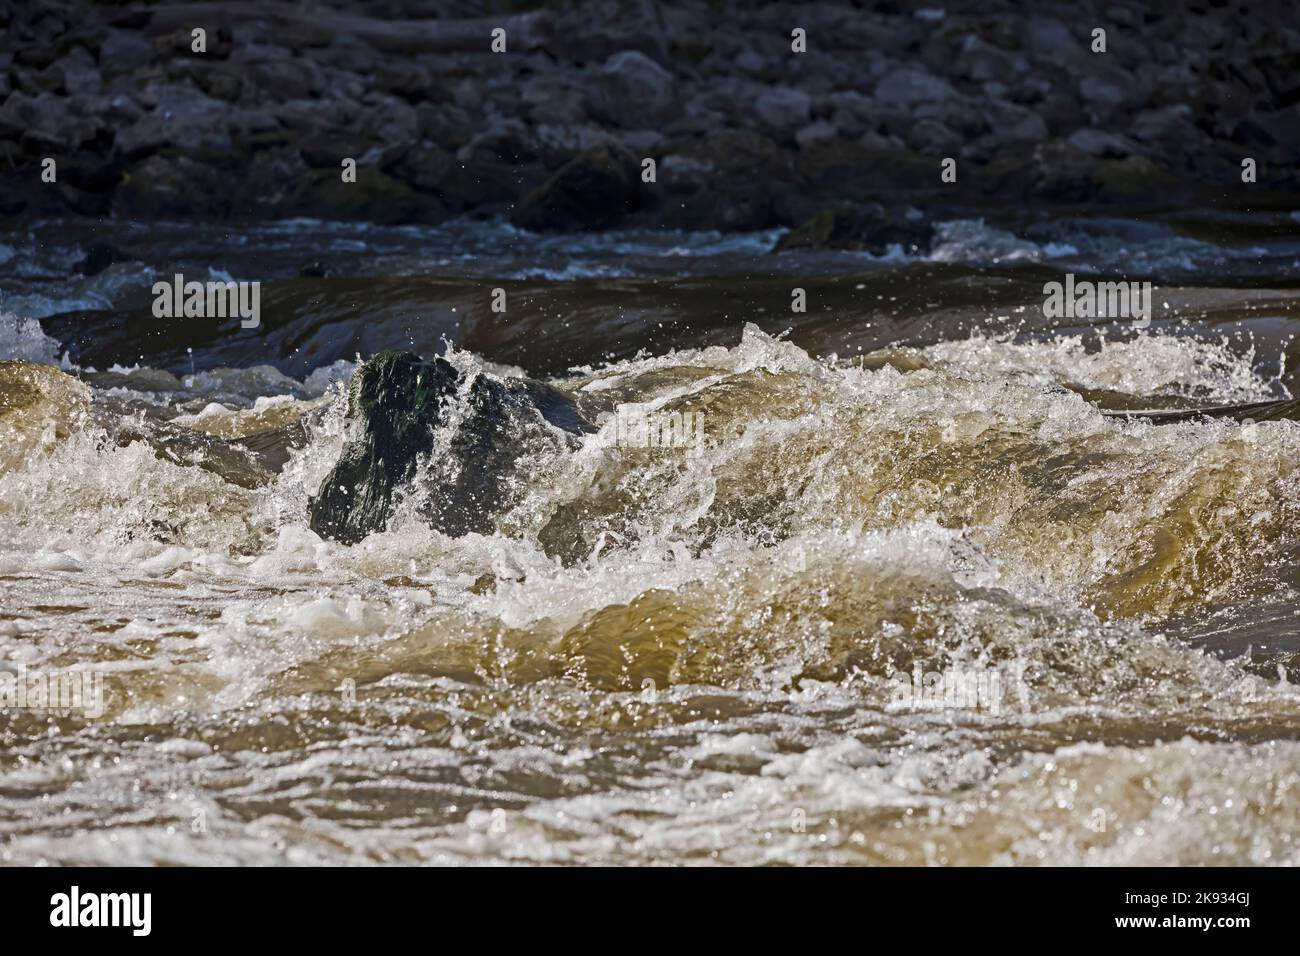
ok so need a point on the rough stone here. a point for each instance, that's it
(783, 109)
(908, 87)
(183, 119)
(632, 90)
(593, 190)
(122, 51)
(869, 228)
(395, 404)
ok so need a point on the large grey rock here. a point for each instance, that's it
(1102, 143)
(122, 51)
(1012, 124)
(184, 119)
(932, 137)
(389, 120)
(557, 145)
(45, 121)
(632, 90)
(816, 132)
(909, 86)
(1169, 123)
(72, 74)
(783, 109)
(979, 61)
(1049, 40)
(1103, 95)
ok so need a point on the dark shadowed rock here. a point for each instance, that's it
(396, 406)
(740, 154)
(374, 197)
(314, 269)
(726, 181)
(869, 228)
(162, 187)
(43, 122)
(727, 205)
(124, 50)
(1131, 179)
(99, 256)
(74, 74)
(1062, 172)
(864, 171)
(591, 191)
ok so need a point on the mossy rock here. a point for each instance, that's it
(396, 405)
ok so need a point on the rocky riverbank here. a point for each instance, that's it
(744, 132)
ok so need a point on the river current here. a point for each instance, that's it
(922, 593)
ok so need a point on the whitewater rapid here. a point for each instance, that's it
(658, 656)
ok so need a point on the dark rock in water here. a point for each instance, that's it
(726, 181)
(727, 205)
(1271, 412)
(128, 421)
(374, 197)
(1245, 412)
(867, 228)
(99, 256)
(315, 269)
(396, 403)
(161, 187)
(271, 448)
(593, 190)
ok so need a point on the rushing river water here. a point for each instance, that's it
(919, 595)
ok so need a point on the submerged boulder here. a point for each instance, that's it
(870, 228)
(443, 439)
(1244, 412)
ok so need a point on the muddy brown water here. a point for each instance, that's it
(915, 598)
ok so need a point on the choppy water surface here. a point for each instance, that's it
(662, 655)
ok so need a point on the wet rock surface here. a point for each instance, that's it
(746, 132)
(871, 228)
(405, 412)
